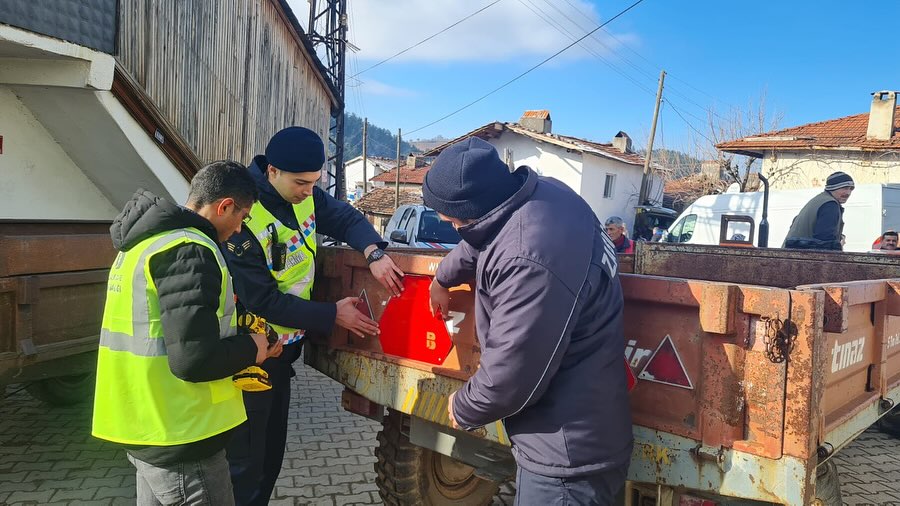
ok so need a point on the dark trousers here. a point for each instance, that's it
(256, 451)
(601, 489)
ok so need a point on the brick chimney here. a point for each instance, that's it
(537, 121)
(414, 161)
(622, 142)
(881, 116)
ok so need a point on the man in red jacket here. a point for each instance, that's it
(615, 228)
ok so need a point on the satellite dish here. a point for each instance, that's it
(734, 188)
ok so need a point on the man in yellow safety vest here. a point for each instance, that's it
(168, 345)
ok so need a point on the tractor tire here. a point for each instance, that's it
(828, 486)
(890, 423)
(412, 475)
(64, 390)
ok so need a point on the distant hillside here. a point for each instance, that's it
(429, 144)
(678, 163)
(382, 142)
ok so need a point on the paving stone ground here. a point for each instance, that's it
(47, 456)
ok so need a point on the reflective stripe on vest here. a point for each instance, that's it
(138, 399)
(300, 268)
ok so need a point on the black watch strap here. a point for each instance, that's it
(376, 255)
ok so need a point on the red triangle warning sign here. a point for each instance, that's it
(665, 366)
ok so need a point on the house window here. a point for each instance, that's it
(609, 187)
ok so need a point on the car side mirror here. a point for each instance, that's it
(399, 236)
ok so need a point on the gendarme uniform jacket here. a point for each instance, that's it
(257, 288)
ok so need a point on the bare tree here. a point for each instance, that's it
(737, 123)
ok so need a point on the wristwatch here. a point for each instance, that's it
(376, 255)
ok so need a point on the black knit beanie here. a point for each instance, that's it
(468, 180)
(296, 149)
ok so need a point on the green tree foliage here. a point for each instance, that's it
(382, 142)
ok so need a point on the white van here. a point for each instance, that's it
(416, 226)
(872, 209)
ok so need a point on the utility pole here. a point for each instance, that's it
(397, 189)
(365, 155)
(645, 181)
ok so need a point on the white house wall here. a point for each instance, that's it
(38, 180)
(790, 170)
(353, 174)
(586, 174)
(625, 192)
(548, 159)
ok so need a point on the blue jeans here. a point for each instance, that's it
(201, 482)
(599, 489)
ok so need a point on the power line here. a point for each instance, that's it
(425, 39)
(688, 123)
(652, 64)
(523, 74)
(558, 26)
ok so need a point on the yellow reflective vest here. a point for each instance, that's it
(298, 274)
(138, 399)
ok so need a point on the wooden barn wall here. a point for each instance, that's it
(227, 74)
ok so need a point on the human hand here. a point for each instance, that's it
(350, 318)
(275, 350)
(450, 411)
(262, 345)
(388, 274)
(439, 299)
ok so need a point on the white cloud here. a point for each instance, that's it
(372, 87)
(509, 29)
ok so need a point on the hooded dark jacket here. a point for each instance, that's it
(188, 280)
(548, 312)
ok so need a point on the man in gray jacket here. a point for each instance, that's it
(549, 322)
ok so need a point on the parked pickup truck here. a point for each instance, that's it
(754, 368)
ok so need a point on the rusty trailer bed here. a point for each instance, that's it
(776, 373)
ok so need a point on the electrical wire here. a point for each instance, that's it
(426, 39)
(688, 123)
(523, 74)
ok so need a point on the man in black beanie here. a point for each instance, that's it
(272, 261)
(548, 311)
(820, 223)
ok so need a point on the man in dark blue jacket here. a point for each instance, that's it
(272, 261)
(549, 321)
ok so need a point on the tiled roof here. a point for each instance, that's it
(539, 114)
(493, 130)
(848, 132)
(407, 175)
(381, 200)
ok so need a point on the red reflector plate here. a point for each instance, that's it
(665, 366)
(409, 330)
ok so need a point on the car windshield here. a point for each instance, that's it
(432, 229)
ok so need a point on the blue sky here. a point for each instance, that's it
(813, 60)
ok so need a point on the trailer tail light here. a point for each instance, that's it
(408, 328)
(689, 500)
